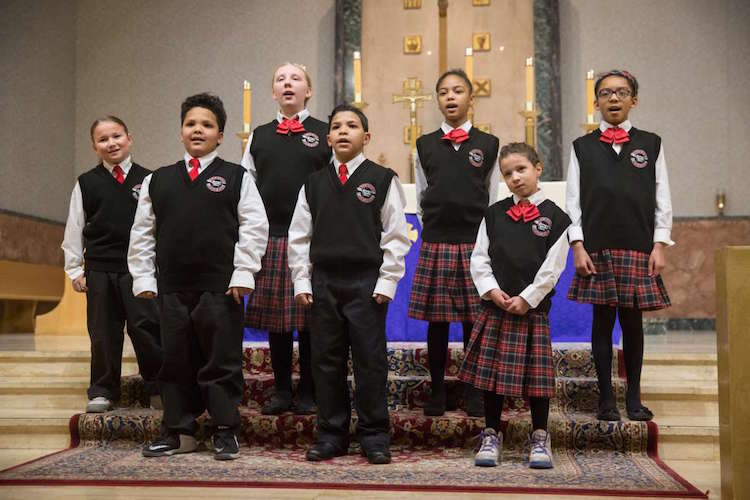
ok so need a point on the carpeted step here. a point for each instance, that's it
(412, 361)
(409, 429)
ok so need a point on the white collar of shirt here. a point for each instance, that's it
(300, 116)
(205, 160)
(626, 125)
(124, 165)
(466, 126)
(535, 198)
(351, 165)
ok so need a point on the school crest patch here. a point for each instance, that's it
(366, 192)
(476, 157)
(639, 158)
(136, 191)
(217, 184)
(541, 226)
(310, 139)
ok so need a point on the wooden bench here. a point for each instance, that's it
(25, 291)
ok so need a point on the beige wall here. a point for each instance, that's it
(37, 63)
(384, 67)
(140, 59)
(692, 59)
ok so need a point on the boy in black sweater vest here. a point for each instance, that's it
(347, 243)
(102, 207)
(201, 222)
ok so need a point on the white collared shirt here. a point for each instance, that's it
(72, 244)
(248, 251)
(247, 159)
(662, 214)
(394, 240)
(420, 180)
(544, 279)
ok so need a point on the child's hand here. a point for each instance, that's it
(583, 263)
(304, 299)
(499, 298)
(238, 293)
(79, 284)
(146, 295)
(381, 299)
(656, 261)
(518, 305)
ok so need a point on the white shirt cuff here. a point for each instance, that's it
(386, 287)
(529, 296)
(301, 286)
(141, 285)
(242, 279)
(575, 233)
(485, 285)
(75, 273)
(662, 235)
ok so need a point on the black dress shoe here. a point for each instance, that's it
(611, 414)
(377, 456)
(279, 403)
(306, 406)
(435, 407)
(324, 451)
(640, 414)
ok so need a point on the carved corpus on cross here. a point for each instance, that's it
(412, 98)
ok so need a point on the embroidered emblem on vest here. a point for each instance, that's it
(366, 192)
(310, 139)
(638, 158)
(135, 191)
(541, 226)
(476, 157)
(217, 183)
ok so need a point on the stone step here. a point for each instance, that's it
(688, 438)
(41, 428)
(681, 399)
(54, 363)
(672, 367)
(43, 393)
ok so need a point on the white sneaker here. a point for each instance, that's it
(540, 456)
(99, 404)
(490, 448)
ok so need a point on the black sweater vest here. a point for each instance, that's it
(197, 225)
(109, 208)
(456, 196)
(346, 219)
(517, 249)
(283, 163)
(618, 192)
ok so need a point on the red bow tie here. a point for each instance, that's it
(615, 135)
(523, 210)
(287, 126)
(458, 135)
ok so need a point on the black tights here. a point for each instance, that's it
(437, 350)
(631, 321)
(493, 408)
(281, 347)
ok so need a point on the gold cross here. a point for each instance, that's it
(412, 97)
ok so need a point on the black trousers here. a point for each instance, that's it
(202, 335)
(110, 306)
(344, 316)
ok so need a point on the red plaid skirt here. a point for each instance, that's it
(442, 289)
(510, 354)
(271, 306)
(621, 280)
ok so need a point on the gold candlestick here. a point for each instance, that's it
(246, 97)
(590, 124)
(529, 84)
(530, 126)
(357, 67)
(469, 70)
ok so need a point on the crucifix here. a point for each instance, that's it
(412, 97)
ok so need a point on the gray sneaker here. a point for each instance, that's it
(540, 456)
(99, 404)
(490, 448)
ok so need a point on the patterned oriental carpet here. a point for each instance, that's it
(429, 453)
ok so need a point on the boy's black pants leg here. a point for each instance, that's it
(106, 321)
(142, 316)
(202, 342)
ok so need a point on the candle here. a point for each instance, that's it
(590, 96)
(469, 64)
(529, 84)
(246, 106)
(357, 77)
